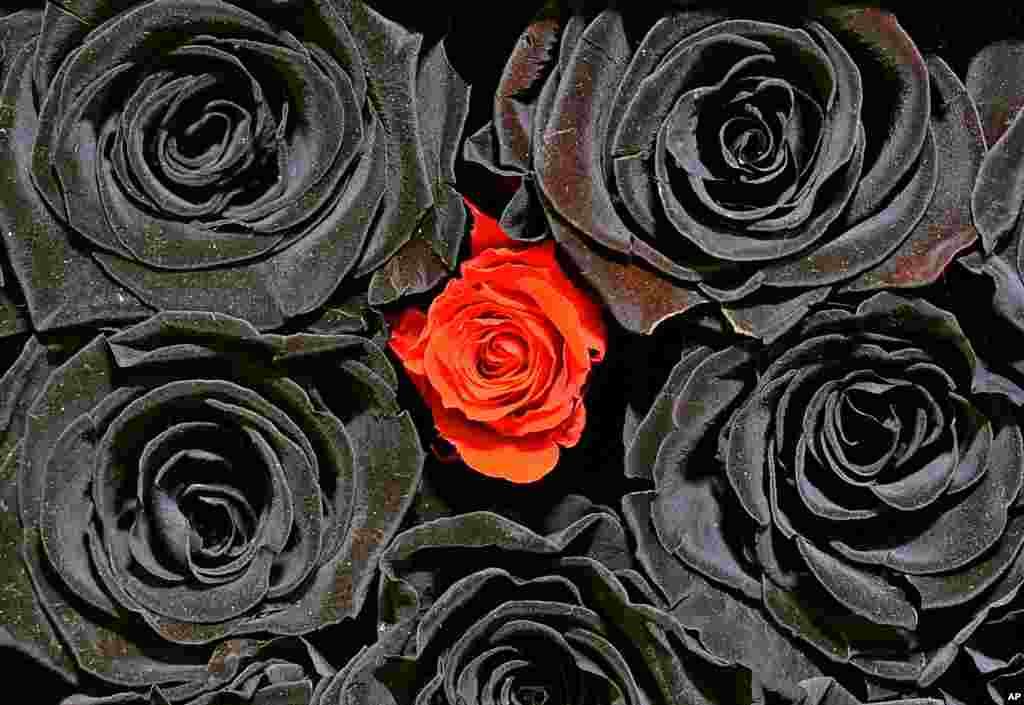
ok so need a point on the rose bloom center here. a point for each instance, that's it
(503, 354)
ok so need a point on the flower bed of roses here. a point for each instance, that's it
(720, 403)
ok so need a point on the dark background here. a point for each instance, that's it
(478, 38)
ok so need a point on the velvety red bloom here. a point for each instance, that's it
(502, 355)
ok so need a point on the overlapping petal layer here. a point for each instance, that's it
(190, 479)
(860, 481)
(735, 160)
(502, 356)
(205, 155)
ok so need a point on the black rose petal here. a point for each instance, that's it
(996, 197)
(13, 316)
(853, 488)
(726, 626)
(955, 588)
(283, 671)
(190, 479)
(662, 300)
(906, 133)
(947, 226)
(993, 84)
(201, 156)
(26, 214)
(999, 190)
(443, 104)
(735, 161)
(478, 609)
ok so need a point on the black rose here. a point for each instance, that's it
(477, 609)
(244, 158)
(857, 485)
(190, 479)
(754, 163)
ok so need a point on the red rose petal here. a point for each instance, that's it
(485, 232)
(502, 355)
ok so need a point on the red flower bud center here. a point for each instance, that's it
(503, 354)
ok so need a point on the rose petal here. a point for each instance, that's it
(758, 318)
(568, 161)
(910, 103)
(114, 657)
(527, 65)
(956, 588)
(921, 487)
(968, 529)
(999, 191)
(442, 100)
(871, 240)
(691, 523)
(520, 459)
(643, 447)
(745, 462)
(644, 299)
(947, 227)
(390, 458)
(52, 286)
(799, 620)
(994, 84)
(577, 316)
(413, 269)
(865, 593)
(67, 511)
(390, 54)
(485, 233)
(631, 140)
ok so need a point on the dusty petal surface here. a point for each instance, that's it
(851, 493)
(190, 480)
(225, 157)
(726, 159)
(478, 609)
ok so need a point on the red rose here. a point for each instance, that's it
(502, 355)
